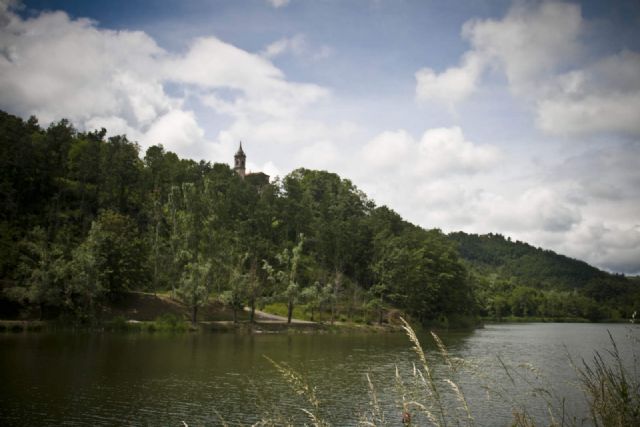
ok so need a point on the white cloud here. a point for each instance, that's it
(439, 152)
(210, 62)
(590, 114)
(435, 180)
(452, 85)
(539, 48)
(278, 3)
(530, 43)
(602, 97)
(177, 131)
(56, 67)
(389, 150)
(296, 45)
(446, 151)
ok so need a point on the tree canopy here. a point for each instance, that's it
(86, 218)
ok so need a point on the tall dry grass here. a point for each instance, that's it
(611, 389)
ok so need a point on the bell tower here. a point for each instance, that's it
(240, 160)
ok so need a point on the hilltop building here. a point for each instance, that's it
(240, 162)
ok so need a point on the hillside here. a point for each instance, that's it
(86, 219)
(531, 266)
(516, 278)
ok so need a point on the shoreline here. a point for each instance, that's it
(243, 327)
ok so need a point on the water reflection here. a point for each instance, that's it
(154, 379)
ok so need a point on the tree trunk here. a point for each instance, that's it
(333, 312)
(380, 315)
(235, 315)
(289, 311)
(194, 314)
(253, 310)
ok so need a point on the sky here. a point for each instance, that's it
(513, 117)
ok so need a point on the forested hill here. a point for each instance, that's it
(532, 266)
(85, 219)
(513, 278)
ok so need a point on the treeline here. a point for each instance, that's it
(84, 219)
(513, 278)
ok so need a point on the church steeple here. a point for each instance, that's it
(240, 160)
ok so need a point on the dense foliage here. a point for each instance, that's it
(86, 219)
(516, 279)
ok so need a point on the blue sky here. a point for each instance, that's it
(515, 117)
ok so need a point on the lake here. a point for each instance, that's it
(204, 378)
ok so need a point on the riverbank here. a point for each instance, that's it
(147, 312)
(171, 325)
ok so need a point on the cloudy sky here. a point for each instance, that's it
(514, 117)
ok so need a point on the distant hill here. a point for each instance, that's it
(532, 266)
(517, 274)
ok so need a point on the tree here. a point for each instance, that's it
(235, 295)
(194, 286)
(87, 288)
(41, 272)
(311, 296)
(118, 252)
(286, 278)
(376, 301)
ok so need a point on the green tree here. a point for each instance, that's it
(311, 295)
(194, 286)
(118, 252)
(286, 278)
(41, 272)
(236, 294)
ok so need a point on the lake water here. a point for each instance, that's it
(202, 379)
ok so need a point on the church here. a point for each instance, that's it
(256, 178)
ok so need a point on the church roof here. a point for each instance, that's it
(240, 152)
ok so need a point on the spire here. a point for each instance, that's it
(240, 152)
(240, 160)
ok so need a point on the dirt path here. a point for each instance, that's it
(263, 316)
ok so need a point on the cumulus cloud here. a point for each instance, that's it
(57, 67)
(243, 84)
(440, 151)
(602, 97)
(389, 150)
(539, 47)
(434, 180)
(584, 206)
(452, 85)
(297, 46)
(530, 43)
(178, 130)
(278, 3)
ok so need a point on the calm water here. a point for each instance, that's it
(154, 379)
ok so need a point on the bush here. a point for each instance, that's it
(118, 323)
(168, 323)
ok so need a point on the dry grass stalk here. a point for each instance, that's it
(613, 394)
(303, 389)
